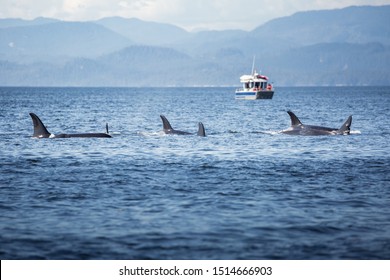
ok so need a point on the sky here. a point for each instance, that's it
(188, 14)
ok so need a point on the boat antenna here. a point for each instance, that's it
(253, 65)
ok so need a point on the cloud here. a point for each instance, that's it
(210, 14)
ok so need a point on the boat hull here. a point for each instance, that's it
(253, 95)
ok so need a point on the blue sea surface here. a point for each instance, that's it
(245, 191)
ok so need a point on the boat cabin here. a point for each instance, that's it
(255, 86)
(255, 82)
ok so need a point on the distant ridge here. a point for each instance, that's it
(349, 46)
(57, 38)
(16, 22)
(354, 24)
(144, 32)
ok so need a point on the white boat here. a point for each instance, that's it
(255, 86)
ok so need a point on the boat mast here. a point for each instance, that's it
(253, 65)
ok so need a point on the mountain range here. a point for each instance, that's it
(349, 46)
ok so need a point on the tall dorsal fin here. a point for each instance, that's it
(201, 130)
(166, 124)
(346, 127)
(40, 130)
(294, 119)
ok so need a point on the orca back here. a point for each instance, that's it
(83, 135)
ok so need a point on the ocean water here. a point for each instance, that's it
(243, 192)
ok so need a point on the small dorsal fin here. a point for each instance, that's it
(201, 130)
(346, 127)
(294, 119)
(166, 124)
(40, 130)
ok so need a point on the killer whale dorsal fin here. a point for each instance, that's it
(40, 130)
(166, 124)
(201, 130)
(294, 119)
(346, 127)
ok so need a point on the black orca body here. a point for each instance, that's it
(167, 128)
(297, 128)
(40, 131)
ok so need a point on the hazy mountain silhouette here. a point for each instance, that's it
(348, 46)
(349, 25)
(143, 32)
(15, 22)
(46, 41)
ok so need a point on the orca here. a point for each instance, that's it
(297, 128)
(40, 131)
(167, 128)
